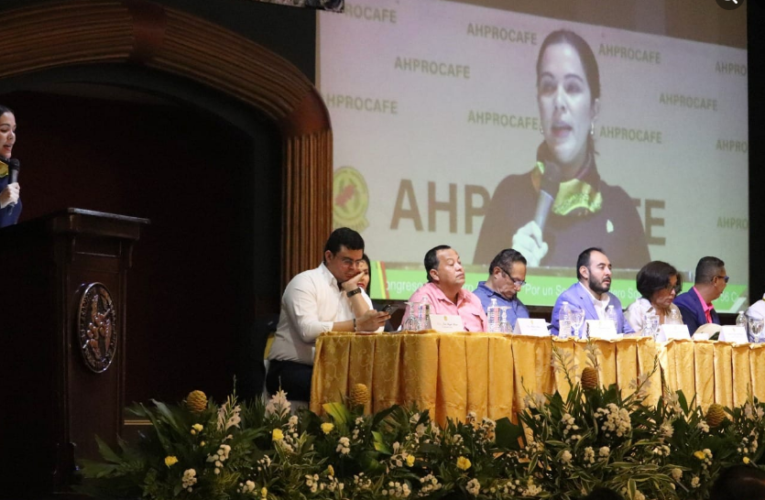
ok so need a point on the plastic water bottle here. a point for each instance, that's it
(675, 318)
(493, 312)
(564, 321)
(742, 322)
(611, 314)
(741, 319)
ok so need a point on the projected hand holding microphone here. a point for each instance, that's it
(562, 205)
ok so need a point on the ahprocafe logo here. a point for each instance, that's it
(730, 4)
(350, 197)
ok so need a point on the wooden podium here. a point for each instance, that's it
(63, 290)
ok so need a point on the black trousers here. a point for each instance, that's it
(293, 378)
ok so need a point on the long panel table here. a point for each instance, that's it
(492, 374)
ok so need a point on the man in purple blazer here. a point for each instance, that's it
(591, 292)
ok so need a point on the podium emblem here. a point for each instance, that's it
(97, 328)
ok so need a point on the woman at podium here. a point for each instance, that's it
(10, 201)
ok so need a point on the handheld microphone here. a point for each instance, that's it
(547, 193)
(13, 166)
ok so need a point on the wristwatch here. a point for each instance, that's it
(354, 292)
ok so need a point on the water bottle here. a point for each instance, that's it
(564, 321)
(493, 312)
(675, 318)
(423, 315)
(742, 322)
(741, 319)
(611, 314)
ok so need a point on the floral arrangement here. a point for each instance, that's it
(560, 448)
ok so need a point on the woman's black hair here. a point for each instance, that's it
(365, 258)
(655, 276)
(586, 55)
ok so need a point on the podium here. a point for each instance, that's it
(63, 291)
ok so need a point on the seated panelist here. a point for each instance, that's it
(444, 291)
(507, 274)
(320, 300)
(658, 284)
(696, 304)
(591, 292)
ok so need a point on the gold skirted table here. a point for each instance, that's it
(491, 374)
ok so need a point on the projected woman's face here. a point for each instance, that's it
(565, 105)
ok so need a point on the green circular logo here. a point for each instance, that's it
(350, 199)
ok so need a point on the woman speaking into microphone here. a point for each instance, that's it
(562, 205)
(10, 202)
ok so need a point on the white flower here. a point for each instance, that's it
(589, 455)
(666, 429)
(676, 474)
(228, 415)
(344, 446)
(695, 482)
(639, 496)
(278, 405)
(703, 426)
(566, 457)
(189, 479)
(604, 451)
(473, 487)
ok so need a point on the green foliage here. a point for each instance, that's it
(560, 448)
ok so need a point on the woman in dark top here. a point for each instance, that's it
(586, 211)
(10, 203)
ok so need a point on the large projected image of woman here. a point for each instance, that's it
(563, 206)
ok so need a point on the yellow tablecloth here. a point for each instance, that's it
(491, 374)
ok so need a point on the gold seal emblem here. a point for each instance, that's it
(350, 199)
(97, 327)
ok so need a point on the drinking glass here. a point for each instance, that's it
(577, 320)
(411, 323)
(651, 325)
(756, 327)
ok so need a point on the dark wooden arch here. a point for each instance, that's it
(58, 34)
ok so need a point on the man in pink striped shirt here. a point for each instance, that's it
(444, 291)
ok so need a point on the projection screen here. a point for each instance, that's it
(435, 104)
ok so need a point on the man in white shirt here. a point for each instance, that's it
(591, 292)
(320, 300)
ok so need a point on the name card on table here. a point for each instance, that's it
(536, 327)
(446, 323)
(601, 329)
(736, 334)
(673, 332)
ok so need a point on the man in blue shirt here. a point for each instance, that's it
(507, 273)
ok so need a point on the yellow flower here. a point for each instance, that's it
(746, 460)
(410, 460)
(330, 470)
(463, 463)
(699, 454)
(264, 492)
(202, 443)
(198, 427)
(170, 460)
(327, 427)
(277, 435)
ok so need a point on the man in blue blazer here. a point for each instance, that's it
(696, 304)
(590, 293)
